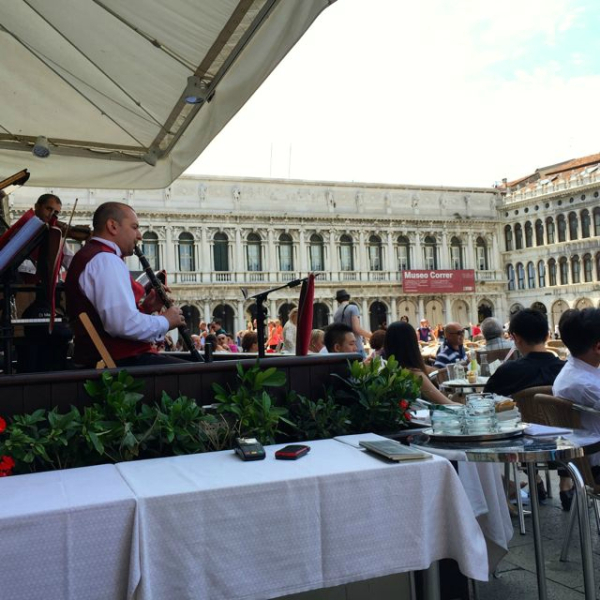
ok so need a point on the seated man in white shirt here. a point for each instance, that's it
(579, 380)
(100, 284)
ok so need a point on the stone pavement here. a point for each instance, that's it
(515, 576)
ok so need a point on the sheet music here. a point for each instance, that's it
(19, 240)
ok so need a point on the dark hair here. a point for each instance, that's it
(531, 325)
(377, 339)
(335, 334)
(43, 199)
(404, 318)
(248, 340)
(580, 329)
(106, 211)
(401, 342)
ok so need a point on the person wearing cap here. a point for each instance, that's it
(350, 315)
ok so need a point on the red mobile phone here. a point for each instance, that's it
(292, 452)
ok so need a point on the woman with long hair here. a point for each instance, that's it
(401, 343)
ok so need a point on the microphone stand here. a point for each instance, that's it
(261, 310)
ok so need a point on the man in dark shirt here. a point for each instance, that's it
(529, 330)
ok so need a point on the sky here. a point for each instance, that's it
(435, 92)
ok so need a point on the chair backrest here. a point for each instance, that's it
(526, 404)
(497, 354)
(555, 344)
(559, 412)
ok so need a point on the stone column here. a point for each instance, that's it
(418, 258)
(444, 258)
(241, 317)
(238, 264)
(363, 264)
(447, 310)
(271, 260)
(169, 250)
(470, 260)
(205, 260)
(207, 312)
(390, 264)
(494, 254)
(393, 310)
(273, 310)
(365, 320)
(333, 257)
(421, 314)
(302, 250)
(473, 315)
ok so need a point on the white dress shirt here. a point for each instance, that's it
(580, 382)
(106, 283)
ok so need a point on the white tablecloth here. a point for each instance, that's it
(211, 526)
(66, 535)
(483, 485)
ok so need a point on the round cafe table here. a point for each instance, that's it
(532, 450)
(463, 386)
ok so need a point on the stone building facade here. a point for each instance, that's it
(551, 237)
(215, 236)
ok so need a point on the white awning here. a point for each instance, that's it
(105, 82)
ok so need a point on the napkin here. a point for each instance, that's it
(541, 430)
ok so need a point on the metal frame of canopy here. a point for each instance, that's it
(105, 82)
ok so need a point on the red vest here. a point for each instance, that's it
(85, 351)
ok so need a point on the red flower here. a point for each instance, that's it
(6, 465)
(403, 404)
(2, 425)
(407, 416)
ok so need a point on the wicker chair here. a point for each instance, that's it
(559, 412)
(497, 354)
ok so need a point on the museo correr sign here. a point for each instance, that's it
(438, 281)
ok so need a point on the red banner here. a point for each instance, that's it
(438, 282)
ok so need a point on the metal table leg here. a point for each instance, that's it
(537, 533)
(431, 582)
(585, 535)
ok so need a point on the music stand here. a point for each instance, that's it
(261, 310)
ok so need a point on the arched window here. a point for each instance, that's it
(575, 270)
(150, 249)
(561, 224)
(588, 268)
(317, 254)
(573, 225)
(508, 238)
(186, 252)
(552, 272)
(597, 221)
(456, 254)
(510, 275)
(403, 253)
(375, 253)
(563, 268)
(530, 275)
(528, 235)
(481, 254)
(539, 233)
(550, 231)
(320, 315)
(518, 237)
(221, 252)
(254, 252)
(520, 276)
(586, 223)
(346, 253)
(286, 252)
(430, 252)
(541, 273)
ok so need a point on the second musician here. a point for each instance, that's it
(99, 283)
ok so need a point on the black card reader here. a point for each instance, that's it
(249, 449)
